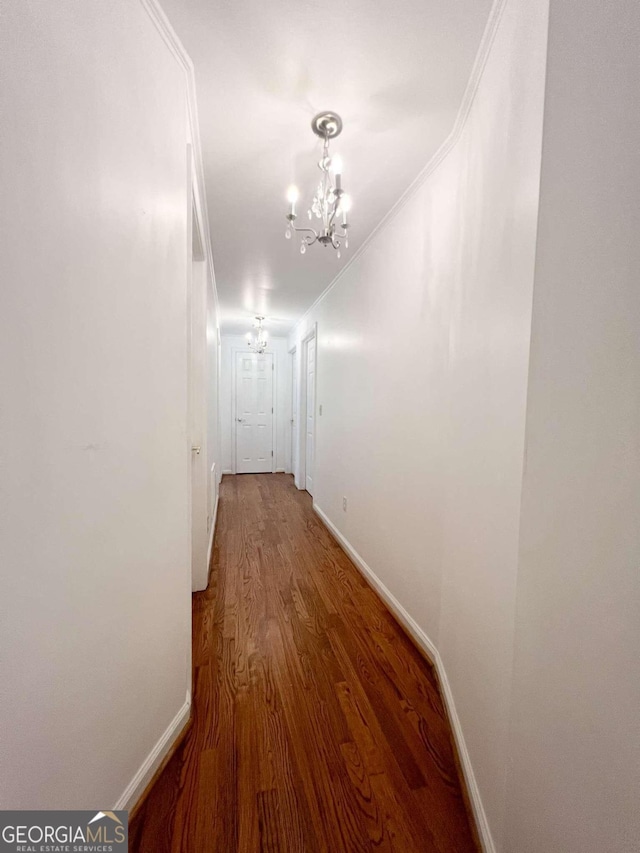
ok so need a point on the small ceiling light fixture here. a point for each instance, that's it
(330, 200)
(257, 340)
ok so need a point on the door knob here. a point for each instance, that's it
(196, 449)
(240, 420)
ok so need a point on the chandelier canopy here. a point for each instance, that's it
(257, 341)
(330, 201)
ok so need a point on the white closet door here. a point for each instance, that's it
(254, 413)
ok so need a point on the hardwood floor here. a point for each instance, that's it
(317, 724)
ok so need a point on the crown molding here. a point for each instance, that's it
(484, 50)
(176, 48)
(169, 36)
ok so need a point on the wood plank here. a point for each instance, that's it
(317, 725)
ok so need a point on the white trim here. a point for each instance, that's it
(488, 36)
(212, 534)
(424, 642)
(170, 38)
(301, 479)
(292, 432)
(227, 471)
(135, 788)
(189, 402)
(234, 405)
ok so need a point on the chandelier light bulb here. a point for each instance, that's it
(287, 233)
(345, 206)
(292, 196)
(303, 248)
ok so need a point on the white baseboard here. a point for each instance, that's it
(423, 642)
(280, 471)
(136, 787)
(227, 471)
(212, 533)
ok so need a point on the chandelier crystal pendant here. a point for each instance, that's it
(257, 341)
(330, 201)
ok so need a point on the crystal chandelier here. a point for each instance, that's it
(257, 340)
(330, 200)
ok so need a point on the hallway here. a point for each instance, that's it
(317, 725)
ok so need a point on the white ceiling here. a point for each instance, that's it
(395, 72)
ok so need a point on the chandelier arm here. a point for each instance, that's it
(308, 240)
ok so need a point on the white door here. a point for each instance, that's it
(254, 413)
(310, 424)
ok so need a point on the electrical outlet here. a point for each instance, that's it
(344, 504)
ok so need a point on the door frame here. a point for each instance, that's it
(312, 335)
(197, 412)
(234, 404)
(294, 400)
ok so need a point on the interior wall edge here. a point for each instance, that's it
(212, 535)
(423, 641)
(176, 48)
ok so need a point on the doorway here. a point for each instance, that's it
(253, 418)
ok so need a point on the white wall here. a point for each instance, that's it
(575, 777)
(94, 487)
(422, 375)
(282, 361)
